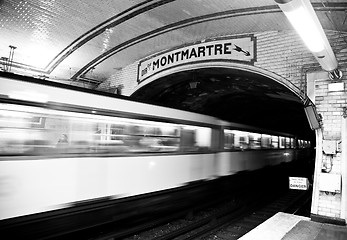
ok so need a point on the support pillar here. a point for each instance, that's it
(344, 165)
(317, 170)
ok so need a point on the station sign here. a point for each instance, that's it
(239, 49)
(299, 183)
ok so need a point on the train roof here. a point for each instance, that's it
(47, 92)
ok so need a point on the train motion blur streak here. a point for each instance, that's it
(60, 146)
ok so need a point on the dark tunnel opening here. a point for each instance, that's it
(232, 95)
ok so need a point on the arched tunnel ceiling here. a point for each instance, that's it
(88, 41)
(233, 95)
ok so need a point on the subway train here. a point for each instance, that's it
(61, 146)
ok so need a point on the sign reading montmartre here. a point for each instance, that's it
(240, 49)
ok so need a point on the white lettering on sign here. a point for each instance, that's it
(233, 49)
(298, 183)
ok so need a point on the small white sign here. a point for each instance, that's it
(329, 182)
(335, 87)
(298, 183)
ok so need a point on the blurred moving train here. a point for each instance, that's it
(62, 145)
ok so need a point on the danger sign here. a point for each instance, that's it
(298, 183)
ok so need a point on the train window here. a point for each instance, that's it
(15, 139)
(144, 136)
(116, 131)
(288, 142)
(266, 141)
(254, 140)
(304, 143)
(228, 139)
(241, 139)
(195, 138)
(157, 136)
(282, 142)
(31, 130)
(274, 142)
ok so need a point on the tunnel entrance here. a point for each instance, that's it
(249, 96)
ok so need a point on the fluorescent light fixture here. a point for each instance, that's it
(303, 18)
(307, 29)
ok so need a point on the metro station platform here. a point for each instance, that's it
(283, 226)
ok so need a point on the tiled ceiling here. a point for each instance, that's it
(87, 41)
(66, 39)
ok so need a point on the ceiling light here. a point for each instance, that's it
(306, 28)
(303, 18)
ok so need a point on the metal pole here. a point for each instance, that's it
(10, 59)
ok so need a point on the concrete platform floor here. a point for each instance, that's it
(283, 226)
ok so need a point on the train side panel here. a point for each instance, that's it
(233, 162)
(34, 186)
